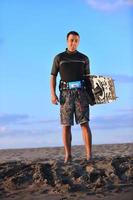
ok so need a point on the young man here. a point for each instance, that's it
(72, 66)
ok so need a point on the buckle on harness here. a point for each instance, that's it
(74, 84)
(71, 85)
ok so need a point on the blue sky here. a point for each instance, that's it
(32, 32)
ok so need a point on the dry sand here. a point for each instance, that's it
(40, 174)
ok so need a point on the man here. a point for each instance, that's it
(72, 66)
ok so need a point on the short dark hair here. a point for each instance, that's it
(73, 33)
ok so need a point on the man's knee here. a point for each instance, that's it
(67, 128)
(84, 125)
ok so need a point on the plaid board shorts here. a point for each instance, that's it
(73, 103)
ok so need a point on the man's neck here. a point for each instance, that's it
(71, 52)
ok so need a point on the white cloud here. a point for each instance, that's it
(122, 119)
(6, 119)
(3, 129)
(109, 5)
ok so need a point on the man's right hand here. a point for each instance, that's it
(54, 99)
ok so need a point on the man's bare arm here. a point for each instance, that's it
(54, 97)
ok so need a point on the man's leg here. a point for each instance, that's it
(67, 138)
(86, 132)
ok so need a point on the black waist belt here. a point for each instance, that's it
(72, 85)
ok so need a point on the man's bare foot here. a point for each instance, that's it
(68, 159)
(88, 157)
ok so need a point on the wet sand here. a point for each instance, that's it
(40, 173)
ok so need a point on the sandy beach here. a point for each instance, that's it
(40, 173)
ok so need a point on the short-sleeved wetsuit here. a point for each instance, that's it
(72, 66)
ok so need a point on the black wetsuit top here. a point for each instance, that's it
(72, 66)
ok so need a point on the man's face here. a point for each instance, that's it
(72, 42)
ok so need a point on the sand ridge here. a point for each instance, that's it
(25, 176)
